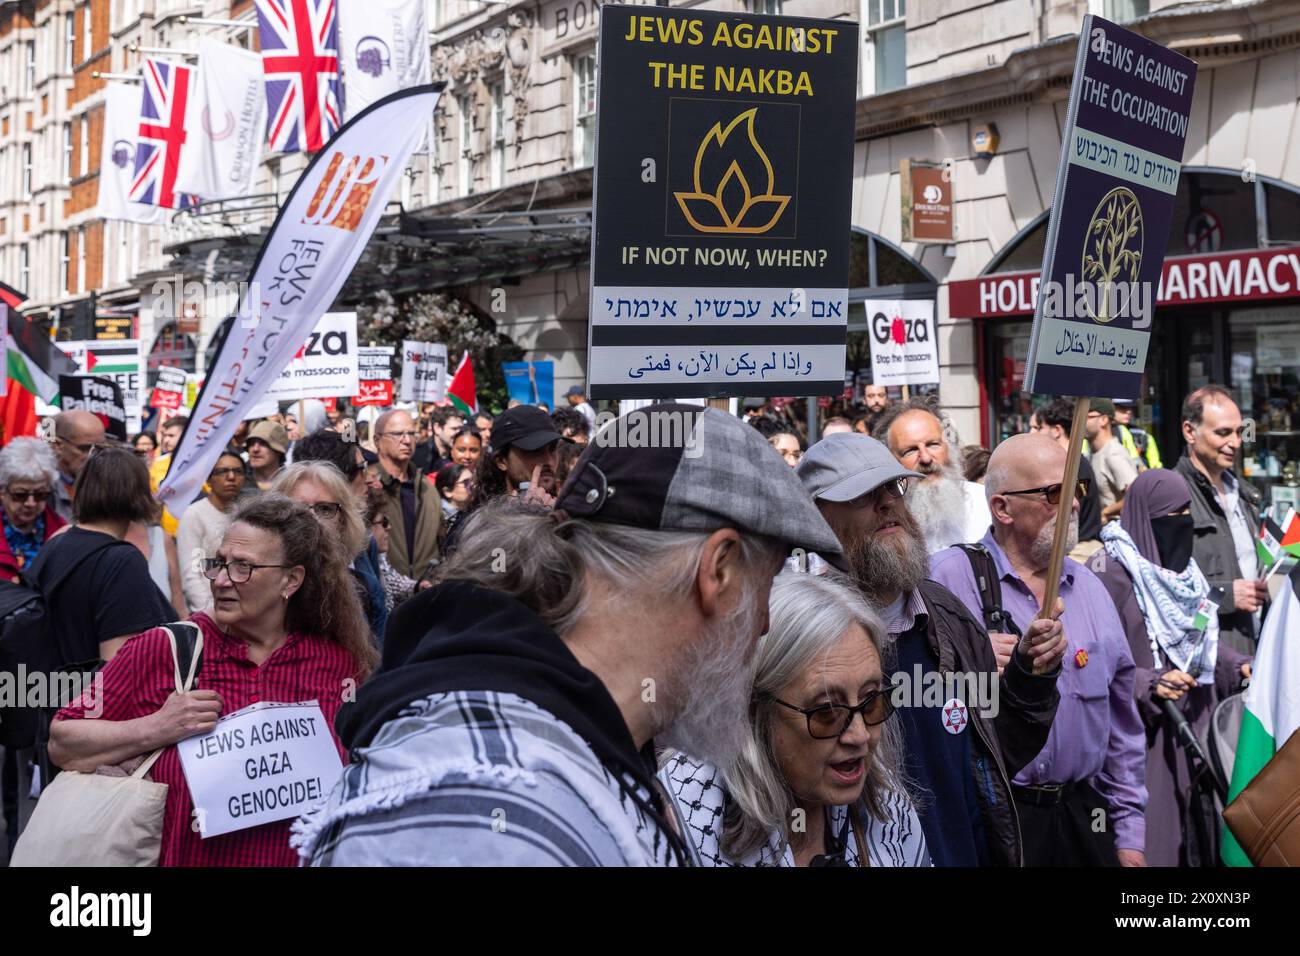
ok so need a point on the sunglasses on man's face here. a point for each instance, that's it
(1053, 492)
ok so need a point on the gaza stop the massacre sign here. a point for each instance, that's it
(1121, 153)
(721, 204)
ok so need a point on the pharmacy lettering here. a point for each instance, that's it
(721, 203)
(1121, 154)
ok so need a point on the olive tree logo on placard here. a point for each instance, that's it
(345, 191)
(1112, 253)
(741, 179)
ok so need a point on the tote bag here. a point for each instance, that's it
(92, 820)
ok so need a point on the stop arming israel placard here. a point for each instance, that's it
(904, 350)
(319, 234)
(326, 365)
(264, 763)
(1121, 154)
(424, 371)
(721, 204)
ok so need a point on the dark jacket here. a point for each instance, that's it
(1171, 828)
(1216, 554)
(428, 519)
(1004, 744)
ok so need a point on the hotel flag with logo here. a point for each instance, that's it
(460, 390)
(161, 135)
(1272, 701)
(300, 63)
(384, 47)
(117, 163)
(321, 230)
(226, 123)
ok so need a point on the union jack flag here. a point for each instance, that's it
(161, 136)
(300, 61)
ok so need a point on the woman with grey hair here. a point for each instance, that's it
(28, 470)
(818, 782)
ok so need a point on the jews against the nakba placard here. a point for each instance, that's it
(721, 204)
(264, 763)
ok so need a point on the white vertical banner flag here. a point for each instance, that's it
(226, 123)
(384, 47)
(316, 239)
(117, 157)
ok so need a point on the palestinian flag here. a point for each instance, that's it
(1268, 547)
(11, 296)
(33, 361)
(1272, 711)
(461, 388)
(1290, 537)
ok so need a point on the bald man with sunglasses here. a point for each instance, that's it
(1081, 800)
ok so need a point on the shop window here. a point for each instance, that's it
(1264, 375)
(1283, 209)
(1213, 212)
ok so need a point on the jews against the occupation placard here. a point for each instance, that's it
(904, 349)
(1121, 154)
(424, 371)
(316, 239)
(326, 365)
(721, 204)
(264, 763)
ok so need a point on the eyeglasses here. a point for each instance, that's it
(226, 472)
(828, 721)
(1053, 492)
(238, 571)
(895, 489)
(36, 496)
(326, 509)
(398, 436)
(84, 449)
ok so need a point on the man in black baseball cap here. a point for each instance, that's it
(561, 645)
(522, 457)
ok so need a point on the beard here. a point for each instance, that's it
(714, 683)
(1040, 552)
(939, 506)
(894, 565)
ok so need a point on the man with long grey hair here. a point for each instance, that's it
(948, 508)
(819, 779)
(968, 729)
(520, 727)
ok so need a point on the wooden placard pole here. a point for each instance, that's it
(302, 420)
(722, 404)
(1068, 482)
(907, 394)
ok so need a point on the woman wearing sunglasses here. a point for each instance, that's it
(28, 471)
(818, 782)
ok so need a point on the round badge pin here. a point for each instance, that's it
(1081, 658)
(955, 717)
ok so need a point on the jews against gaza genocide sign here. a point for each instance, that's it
(721, 204)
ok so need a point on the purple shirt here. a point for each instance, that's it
(1097, 735)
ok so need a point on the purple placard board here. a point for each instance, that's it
(1121, 153)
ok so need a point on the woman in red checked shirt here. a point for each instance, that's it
(286, 626)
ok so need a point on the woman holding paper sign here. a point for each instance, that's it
(285, 627)
(1170, 617)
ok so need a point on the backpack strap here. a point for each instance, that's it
(990, 590)
(186, 641)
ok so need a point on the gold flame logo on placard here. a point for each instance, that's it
(1112, 251)
(733, 206)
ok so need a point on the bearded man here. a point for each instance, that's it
(961, 750)
(519, 725)
(949, 509)
(1094, 765)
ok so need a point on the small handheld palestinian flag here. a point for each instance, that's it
(1268, 547)
(1290, 537)
(460, 391)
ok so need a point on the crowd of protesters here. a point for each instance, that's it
(716, 653)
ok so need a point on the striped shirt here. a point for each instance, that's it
(480, 778)
(140, 678)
